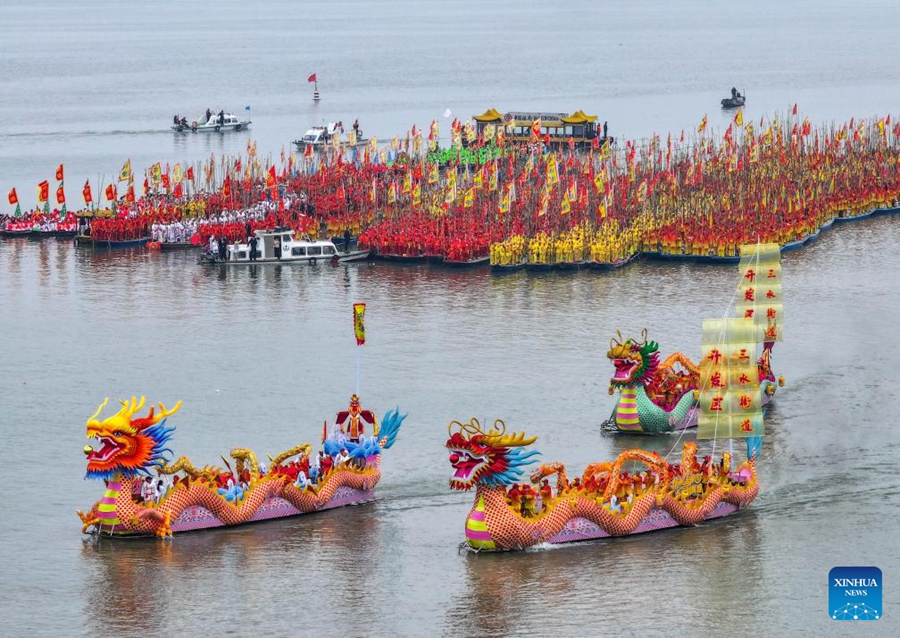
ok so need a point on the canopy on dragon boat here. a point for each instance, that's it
(639, 491)
(146, 495)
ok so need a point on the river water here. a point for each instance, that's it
(261, 357)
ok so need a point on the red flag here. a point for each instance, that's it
(146, 186)
(270, 177)
(794, 112)
(226, 187)
(111, 192)
(165, 180)
(308, 151)
(311, 78)
(190, 173)
(13, 197)
(86, 192)
(44, 191)
(60, 194)
(59, 174)
(129, 194)
(178, 192)
(536, 129)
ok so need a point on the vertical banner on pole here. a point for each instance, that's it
(359, 330)
(359, 326)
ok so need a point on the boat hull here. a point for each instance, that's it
(581, 529)
(197, 517)
(218, 128)
(127, 243)
(359, 255)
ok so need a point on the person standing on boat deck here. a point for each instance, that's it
(347, 237)
(277, 245)
(253, 241)
(213, 245)
(222, 117)
(604, 130)
(356, 126)
(734, 93)
(223, 248)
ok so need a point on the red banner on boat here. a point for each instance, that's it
(13, 197)
(43, 191)
(86, 192)
(359, 325)
(311, 78)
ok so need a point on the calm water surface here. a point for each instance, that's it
(261, 357)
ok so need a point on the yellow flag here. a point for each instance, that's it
(504, 203)
(566, 205)
(552, 170)
(176, 173)
(598, 181)
(492, 182)
(739, 118)
(359, 323)
(469, 200)
(702, 126)
(407, 184)
(417, 194)
(125, 173)
(433, 174)
(478, 180)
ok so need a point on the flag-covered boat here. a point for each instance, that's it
(147, 495)
(639, 491)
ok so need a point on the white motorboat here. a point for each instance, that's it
(280, 246)
(216, 123)
(320, 136)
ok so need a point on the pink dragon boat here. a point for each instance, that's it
(133, 450)
(605, 501)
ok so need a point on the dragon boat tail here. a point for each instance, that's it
(135, 449)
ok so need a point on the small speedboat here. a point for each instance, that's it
(215, 123)
(280, 246)
(320, 136)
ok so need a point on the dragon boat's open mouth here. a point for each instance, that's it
(467, 468)
(625, 369)
(110, 447)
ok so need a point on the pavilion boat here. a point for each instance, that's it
(280, 246)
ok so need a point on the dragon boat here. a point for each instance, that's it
(639, 491)
(133, 449)
(661, 397)
(605, 501)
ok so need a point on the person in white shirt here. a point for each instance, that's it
(342, 457)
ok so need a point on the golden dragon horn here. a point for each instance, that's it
(99, 410)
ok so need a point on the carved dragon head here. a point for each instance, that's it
(491, 458)
(635, 361)
(129, 446)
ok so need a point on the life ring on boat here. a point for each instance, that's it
(312, 261)
(237, 128)
(217, 128)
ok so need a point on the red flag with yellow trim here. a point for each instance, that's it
(13, 197)
(359, 324)
(59, 173)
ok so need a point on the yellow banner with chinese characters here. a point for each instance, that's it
(359, 323)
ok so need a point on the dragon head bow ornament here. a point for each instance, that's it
(490, 458)
(635, 361)
(129, 446)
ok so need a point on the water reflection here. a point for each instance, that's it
(595, 582)
(133, 585)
